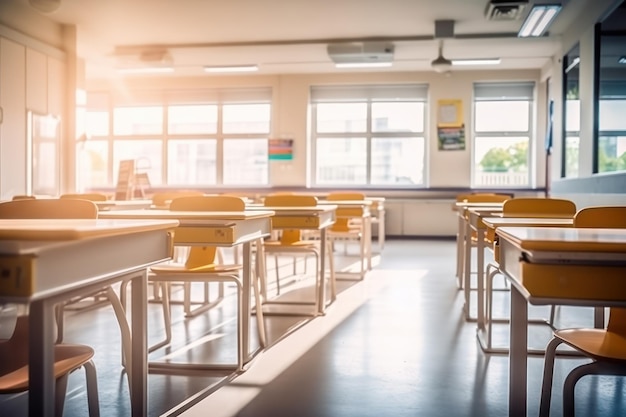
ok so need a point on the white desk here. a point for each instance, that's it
(548, 265)
(44, 262)
(317, 218)
(217, 228)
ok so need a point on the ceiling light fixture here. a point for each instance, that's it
(231, 68)
(45, 6)
(538, 20)
(363, 65)
(621, 60)
(479, 61)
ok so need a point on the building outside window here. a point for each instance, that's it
(502, 134)
(368, 135)
(209, 138)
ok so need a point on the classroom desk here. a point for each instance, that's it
(356, 209)
(54, 260)
(218, 228)
(491, 224)
(317, 218)
(377, 210)
(473, 223)
(461, 207)
(123, 204)
(548, 265)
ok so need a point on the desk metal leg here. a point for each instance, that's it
(321, 291)
(139, 363)
(460, 248)
(41, 358)
(518, 359)
(246, 312)
(480, 277)
(467, 270)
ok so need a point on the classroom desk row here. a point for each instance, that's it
(535, 255)
(35, 255)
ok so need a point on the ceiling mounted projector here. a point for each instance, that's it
(361, 53)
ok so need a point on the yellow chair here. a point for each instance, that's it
(24, 197)
(350, 225)
(606, 347)
(201, 266)
(163, 199)
(291, 241)
(68, 357)
(521, 208)
(86, 196)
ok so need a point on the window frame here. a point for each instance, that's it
(370, 134)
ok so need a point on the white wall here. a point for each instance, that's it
(290, 118)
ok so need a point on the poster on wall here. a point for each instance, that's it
(280, 149)
(450, 126)
(451, 138)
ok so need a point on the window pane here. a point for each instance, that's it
(192, 119)
(612, 153)
(246, 118)
(192, 162)
(397, 117)
(341, 161)
(612, 114)
(502, 116)
(341, 117)
(572, 144)
(397, 161)
(97, 123)
(92, 164)
(246, 162)
(572, 115)
(137, 120)
(501, 161)
(147, 156)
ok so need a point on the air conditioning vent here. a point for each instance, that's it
(505, 10)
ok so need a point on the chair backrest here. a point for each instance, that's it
(611, 217)
(24, 197)
(162, 199)
(14, 347)
(349, 195)
(483, 198)
(86, 196)
(203, 256)
(539, 207)
(290, 236)
(49, 208)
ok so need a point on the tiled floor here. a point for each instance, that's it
(394, 345)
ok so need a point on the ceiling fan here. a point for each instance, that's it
(441, 64)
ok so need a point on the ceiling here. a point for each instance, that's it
(291, 36)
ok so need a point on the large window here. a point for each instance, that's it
(571, 112)
(502, 132)
(368, 135)
(611, 152)
(211, 138)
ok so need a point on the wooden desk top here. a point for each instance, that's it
(73, 229)
(495, 222)
(186, 215)
(287, 210)
(560, 239)
(461, 205)
(123, 204)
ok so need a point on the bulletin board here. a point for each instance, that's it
(450, 126)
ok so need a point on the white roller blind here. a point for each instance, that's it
(351, 93)
(504, 91)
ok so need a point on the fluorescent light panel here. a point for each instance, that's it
(363, 65)
(482, 61)
(621, 60)
(231, 68)
(538, 20)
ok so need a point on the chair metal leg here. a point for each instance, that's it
(92, 389)
(548, 372)
(60, 389)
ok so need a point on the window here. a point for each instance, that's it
(206, 138)
(502, 132)
(571, 145)
(368, 135)
(611, 151)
